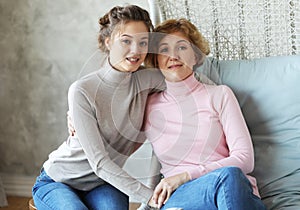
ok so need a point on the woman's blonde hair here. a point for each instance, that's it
(199, 44)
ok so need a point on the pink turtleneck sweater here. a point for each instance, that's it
(197, 128)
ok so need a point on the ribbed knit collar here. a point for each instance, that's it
(184, 87)
(114, 77)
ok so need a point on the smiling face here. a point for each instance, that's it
(128, 46)
(176, 57)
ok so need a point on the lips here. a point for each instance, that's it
(175, 66)
(133, 60)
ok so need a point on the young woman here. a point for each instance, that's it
(197, 131)
(107, 109)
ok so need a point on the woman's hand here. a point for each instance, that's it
(152, 205)
(167, 186)
(71, 128)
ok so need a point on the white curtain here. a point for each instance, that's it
(240, 29)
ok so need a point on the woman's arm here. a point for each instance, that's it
(87, 131)
(237, 135)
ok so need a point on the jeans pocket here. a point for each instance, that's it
(41, 180)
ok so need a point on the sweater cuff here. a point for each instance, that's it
(196, 172)
(144, 195)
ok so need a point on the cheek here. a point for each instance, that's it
(190, 59)
(161, 61)
(118, 49)
(143, 56)
(113, 51)
(116, 55)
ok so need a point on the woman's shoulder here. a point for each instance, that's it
(217, 89)
(149, 73)
(218, 94)
(89, 77)
(150, 78)
(85, 83)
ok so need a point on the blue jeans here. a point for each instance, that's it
(225, 188)
(48, 194)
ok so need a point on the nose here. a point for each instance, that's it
(135, 48)
(173, 55)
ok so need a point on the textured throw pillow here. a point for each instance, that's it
(268, 90)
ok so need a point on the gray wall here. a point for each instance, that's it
(45, 46)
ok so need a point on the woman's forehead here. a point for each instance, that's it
(133, 28)
(175, 37)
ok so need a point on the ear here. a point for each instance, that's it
(107, 43)
(200, 57)
(196, 59)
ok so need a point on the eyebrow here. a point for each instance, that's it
(180, 41)
(130, 36)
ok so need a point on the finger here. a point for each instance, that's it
(71, 133)
(69, 121)
(70, 125)
(169, 192)
(71, 130)
(156, 193)
(161, 197)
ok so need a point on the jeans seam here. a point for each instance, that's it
(225, 194)
(44, 203)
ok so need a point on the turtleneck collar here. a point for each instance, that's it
(112, 76)
(184, 87)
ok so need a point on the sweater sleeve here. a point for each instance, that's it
(88, 133)
(155, 175)
(237, 135)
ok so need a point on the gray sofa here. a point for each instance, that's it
(268, 90)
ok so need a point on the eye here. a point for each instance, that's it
(126, 41)
(163, 50)
(144, 44)
(182, 47)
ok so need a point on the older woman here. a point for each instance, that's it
(197, 131)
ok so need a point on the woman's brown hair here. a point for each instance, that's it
(120, 15)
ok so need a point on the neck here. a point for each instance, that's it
(184, 87)
(176, 79)
(114, 77)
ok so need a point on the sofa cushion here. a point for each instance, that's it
(268, 90)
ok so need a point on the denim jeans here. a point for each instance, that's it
(48, 194)
(225, 188)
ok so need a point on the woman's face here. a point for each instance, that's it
(128, 46)
(176, 57)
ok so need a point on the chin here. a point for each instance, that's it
(132, 69)
(171, 77)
